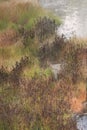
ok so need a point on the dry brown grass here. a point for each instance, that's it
(8, 37)
(38, 103)
(78, 97)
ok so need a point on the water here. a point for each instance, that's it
(82, 123)
(73, 14)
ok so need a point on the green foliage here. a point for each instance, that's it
(21, 14)
(37, 72)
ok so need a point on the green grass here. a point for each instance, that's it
(36, 72)
(10, 18)
(10, 54)
(22, 14)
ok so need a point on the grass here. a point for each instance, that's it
(22, 14)
(36, 72)
(36, 100)
(11, 17)
(10, 55)
(37, 103)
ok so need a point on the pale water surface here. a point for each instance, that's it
(73, 14)
(82, 123)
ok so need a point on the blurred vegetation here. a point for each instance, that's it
(30, 97)
(25, 14)
(37, 103)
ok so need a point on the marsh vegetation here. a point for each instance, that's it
(30, 97)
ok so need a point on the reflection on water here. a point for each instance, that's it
(82, 123)
(71, 25)
(73, 14)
